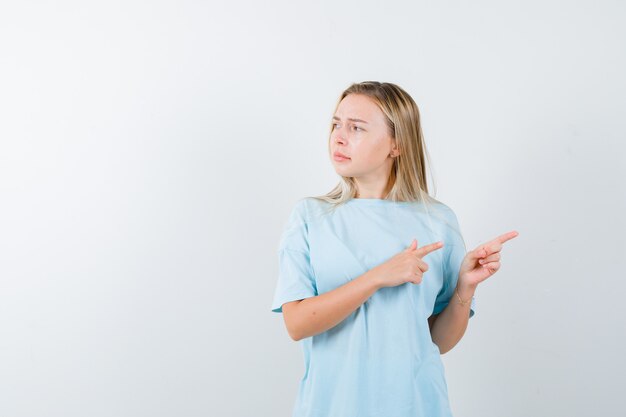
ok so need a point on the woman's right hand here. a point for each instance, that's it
(406, 266)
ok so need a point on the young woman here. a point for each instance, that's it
(374, 278)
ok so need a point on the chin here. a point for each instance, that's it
(343, 171)
(346, 174)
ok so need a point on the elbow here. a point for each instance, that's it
(446, 349)
(293, 330)
(294, 336)
(292, 321)
(439, 348)
(296, 333)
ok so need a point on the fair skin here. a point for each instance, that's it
(360, 133)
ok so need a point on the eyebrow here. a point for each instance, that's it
(351, 119)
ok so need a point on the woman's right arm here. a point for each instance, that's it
(314, 315)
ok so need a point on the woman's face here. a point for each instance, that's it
(360, 133)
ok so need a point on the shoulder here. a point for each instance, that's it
(443, 221)
(295, 229)
(442, 214)
(298, 213)
(449, 214)
(437, 205)
(304, 210)
(312, 209)
(451, 229)
(439, 210)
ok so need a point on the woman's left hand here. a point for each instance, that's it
(482, 262)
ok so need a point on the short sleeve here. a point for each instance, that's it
(296, 280)
(454, 252)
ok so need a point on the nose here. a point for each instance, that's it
(338, 136)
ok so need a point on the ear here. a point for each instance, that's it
(394, 152)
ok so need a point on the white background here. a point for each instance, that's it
(151, 151)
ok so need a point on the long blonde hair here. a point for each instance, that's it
(408, 174)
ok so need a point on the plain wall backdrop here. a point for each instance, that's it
(151, 151)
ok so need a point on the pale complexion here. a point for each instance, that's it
(361, 133)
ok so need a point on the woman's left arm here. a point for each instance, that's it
(478, 265)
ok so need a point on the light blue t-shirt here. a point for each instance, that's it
(380, 361)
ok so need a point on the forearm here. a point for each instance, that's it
(450, 325)
(317, 314)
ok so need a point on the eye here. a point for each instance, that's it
(357, 128)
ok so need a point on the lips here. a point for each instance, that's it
(339, 155)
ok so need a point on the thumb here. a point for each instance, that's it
(412, 246)
(478, 253)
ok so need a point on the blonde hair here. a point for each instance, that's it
(408, 173)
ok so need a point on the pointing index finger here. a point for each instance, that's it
(426, 249)
(507, 236)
